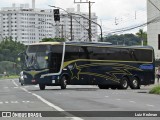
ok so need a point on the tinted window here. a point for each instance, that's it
(38, 48)
(72, 53)
(143, 55)
(107, 53)
(123, 54)
(55, 58)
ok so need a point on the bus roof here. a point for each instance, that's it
(46, 43)
(105, 44)
(99, 44)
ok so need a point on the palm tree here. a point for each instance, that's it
(143, 36)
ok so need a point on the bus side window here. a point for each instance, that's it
(72, 53)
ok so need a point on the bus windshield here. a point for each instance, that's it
(36, 56)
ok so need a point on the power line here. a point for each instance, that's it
(157, 19)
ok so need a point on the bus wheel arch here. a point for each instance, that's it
(135, 82)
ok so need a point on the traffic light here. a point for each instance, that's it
(56, 15)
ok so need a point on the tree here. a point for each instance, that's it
(9, 50)
(124, 39)
(53, 40)
(143, 36)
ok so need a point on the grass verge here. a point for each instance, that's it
(155, 90)
(10, 77)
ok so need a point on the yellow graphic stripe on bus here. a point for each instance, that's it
(113, 61)
(33, 73)
(102, 76)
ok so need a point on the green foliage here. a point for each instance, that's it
(53, 40)
(10, 49)
(10, 67)
(9, 77)
(142, 35)
(155, 90)
(127, 39)
(124, 39)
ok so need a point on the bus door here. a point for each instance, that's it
(55, 58)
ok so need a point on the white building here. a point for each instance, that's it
(25, 24)
(30, 25)
(80, 26)
(153, 29)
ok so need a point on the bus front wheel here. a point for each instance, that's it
(135, 83)
(42, 86)
(63, 82)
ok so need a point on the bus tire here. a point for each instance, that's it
(135, 84)
(42, 86)
(63, 82)
(123, 83)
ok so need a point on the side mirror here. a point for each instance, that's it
(46, 57)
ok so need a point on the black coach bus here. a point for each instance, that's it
(81, 63)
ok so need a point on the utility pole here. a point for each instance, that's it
(90, 28)
(89, 21)
(71, 28)
(62, 36)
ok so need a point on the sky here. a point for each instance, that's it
(112, 14)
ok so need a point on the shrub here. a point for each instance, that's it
(155, 90)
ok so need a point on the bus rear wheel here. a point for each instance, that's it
(123, 83)
(135, 83)
(42, 86)
(63, 82)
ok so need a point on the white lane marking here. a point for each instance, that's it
(15, 87)
(14, 83)
(14, 101)
(26, 101)
(150, 105)
(26, 86)
(6, 102)
(5, 87)
(106, 96)
(132, 101)
(1, 102)
(118, 99)
(36, 86)
(50, 104)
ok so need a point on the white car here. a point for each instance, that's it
(21, 78)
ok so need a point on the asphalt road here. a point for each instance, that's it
(14, 97)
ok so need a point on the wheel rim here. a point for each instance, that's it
(135, 83)
(65, 82)
(125, 83)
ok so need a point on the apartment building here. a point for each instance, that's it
(31, 25)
